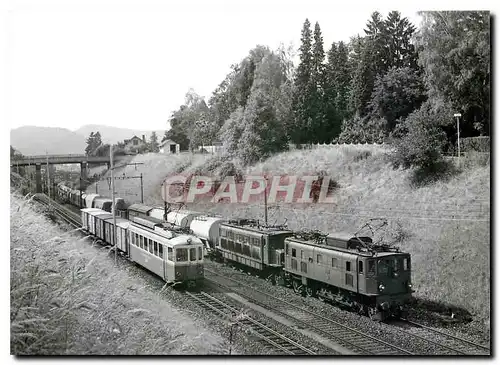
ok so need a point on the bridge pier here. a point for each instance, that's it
(38, 173)
(83, 170)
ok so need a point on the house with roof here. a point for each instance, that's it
(134, 144)
(168, 146)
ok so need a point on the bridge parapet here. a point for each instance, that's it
(58, 159)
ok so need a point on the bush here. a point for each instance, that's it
(418, 142)
(363, 130)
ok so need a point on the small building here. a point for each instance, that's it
(215, 148)
(133, 144)
(168, 146)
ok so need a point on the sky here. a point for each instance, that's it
(130, 63)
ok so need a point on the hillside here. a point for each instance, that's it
(114, 134)
(31, 140)
(445, 225)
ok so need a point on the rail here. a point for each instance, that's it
(273, 338)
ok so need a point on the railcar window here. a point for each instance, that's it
(170, 253)
(181, 254)
(200, 253)
(347, 266)
(160, 250)
(397, 265)
(286, 248)
(142, 241)
(156, 248)
(294, 252)
(256, 252)
(361, 267)
(334, 262)
(150, 245)
(406, 265)
(145, 244)
(192, 254)
(223, 232)
(302, 254)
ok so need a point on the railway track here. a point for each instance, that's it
(448, 339)
(351, 338)
(268, 336)
(68, 216)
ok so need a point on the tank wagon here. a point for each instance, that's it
(350, 271)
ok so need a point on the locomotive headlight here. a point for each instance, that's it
(381, 287)
(177, 274)
(409, 285)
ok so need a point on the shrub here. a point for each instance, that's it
(418, 142)
(363, 130)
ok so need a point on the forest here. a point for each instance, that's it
(395, 83)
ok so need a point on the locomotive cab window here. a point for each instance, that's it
(200, 253)
(192, 254)
(406, 264)
(371, 267)
(181, 254)
(160, 250)
(294, 252)
(360, 267)
(170, 254)
(286, 248)
(347, 266)
(319, 259)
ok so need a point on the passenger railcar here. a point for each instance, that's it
(351, 271)
(177, 260)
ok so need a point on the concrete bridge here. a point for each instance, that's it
(40, 160)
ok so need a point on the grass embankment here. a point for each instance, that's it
(445, 225)
(67, 297)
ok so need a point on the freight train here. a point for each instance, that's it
(349, 270)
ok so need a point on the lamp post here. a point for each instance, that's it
(458, 116)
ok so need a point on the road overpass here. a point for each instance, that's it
(40, 160)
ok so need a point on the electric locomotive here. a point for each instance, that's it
(351, 271)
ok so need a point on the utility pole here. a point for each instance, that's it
(458, 115)
(113, 206)
(265, 200)
(142, 191)
(48, 174)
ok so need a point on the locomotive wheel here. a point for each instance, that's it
(296, 287)
(310, 292)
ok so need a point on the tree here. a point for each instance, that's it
(401, 51)
(418, 142)
(153, 142)
(396, 94)
(455, 55)
(93, 142)
(303, 116)
(319, 127)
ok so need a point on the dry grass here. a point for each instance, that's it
(67, 297)
(445, 225)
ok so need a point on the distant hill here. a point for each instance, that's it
(114, 134)
(31, 140)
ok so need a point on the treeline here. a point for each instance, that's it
(394, 83)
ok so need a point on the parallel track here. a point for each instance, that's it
(68, 216)
(270, 337)
(468, 343)
(355, 340)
